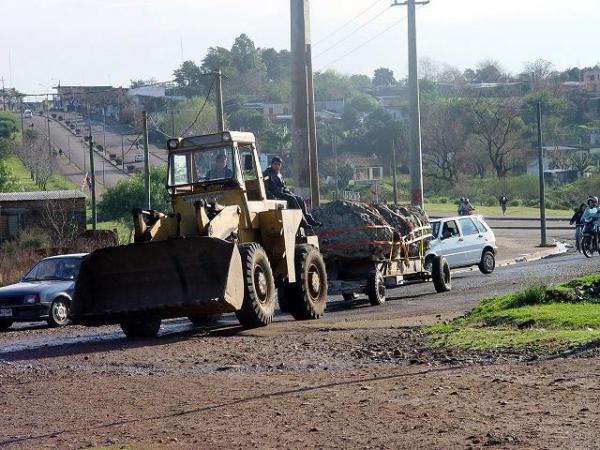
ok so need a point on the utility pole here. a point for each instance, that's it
(48, 124)
(146, 166)
(123, 152)
(304, 139)
(3, 95)
(542, 181)
(218, 80)
(173, 122)
(22, 122)
(104, 130)
(416, 160)
(92, 173)
(335, 167)
(394, 176)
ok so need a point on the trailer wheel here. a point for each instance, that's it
(204, 319)
(307, 297)
(141, 327)
(258, 306)
(375, 288)
(440, 272)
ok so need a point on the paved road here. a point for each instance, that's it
(407, 306)
(78, 151)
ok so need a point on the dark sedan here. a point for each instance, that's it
(44, 293)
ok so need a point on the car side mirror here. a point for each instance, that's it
(248, 162)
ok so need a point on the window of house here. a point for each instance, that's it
(376, 173)
(361, 173)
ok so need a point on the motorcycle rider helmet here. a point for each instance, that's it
(592, 198)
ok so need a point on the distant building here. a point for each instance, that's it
(97, 98)
(591, 81)
(21, 210)
(367, 169)
(395, 105)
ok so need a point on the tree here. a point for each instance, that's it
(193, 117)
(246, 58)
(331, 85)
(8, 181)
(248, 119)
(277, 63)
(444, 140)
(489, 71)
(539, 71)
(8, 131)
(497, 125)
(383, 77)
(363, 103)
(118, 201)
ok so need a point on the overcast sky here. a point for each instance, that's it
(113, 41)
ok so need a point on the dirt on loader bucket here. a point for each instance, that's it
(171, 278)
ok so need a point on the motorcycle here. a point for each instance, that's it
(589, 240)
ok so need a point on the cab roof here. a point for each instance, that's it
(223, 137)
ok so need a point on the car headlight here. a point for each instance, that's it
(31, 299)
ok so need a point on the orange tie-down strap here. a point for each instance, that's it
(351, 229)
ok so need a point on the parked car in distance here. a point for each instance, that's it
(139, 157)
(464, 241)
(44, 293)
(27, 114)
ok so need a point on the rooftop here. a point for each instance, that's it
(40, 195)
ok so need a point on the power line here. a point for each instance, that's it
(354, 31)
(201, 109)
(157, 128)
(395, 24)
(346, 24)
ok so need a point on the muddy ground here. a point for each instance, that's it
(310, 388)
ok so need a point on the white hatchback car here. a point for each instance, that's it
(464, 241)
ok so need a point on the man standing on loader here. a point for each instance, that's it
(276, 189)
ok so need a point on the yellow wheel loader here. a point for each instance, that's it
(224, 248)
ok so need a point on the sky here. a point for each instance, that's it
(110, 42)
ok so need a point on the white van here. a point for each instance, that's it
(139, 157)
(27, 114)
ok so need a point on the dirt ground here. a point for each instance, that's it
(319, 388)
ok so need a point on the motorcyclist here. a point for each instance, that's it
(577, 220)
(465, 208)
(591, 213)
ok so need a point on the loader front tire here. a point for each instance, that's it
(141, 327)
(307, 297)
(259, 302)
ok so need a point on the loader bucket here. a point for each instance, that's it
(171, 278)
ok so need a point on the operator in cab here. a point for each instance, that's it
(276, 189)
(220, 169)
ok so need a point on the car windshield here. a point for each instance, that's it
(54, 269)
(435, 229)
(201, 165)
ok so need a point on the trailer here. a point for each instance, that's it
(390, 265)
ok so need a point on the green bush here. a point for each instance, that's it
(514, 203)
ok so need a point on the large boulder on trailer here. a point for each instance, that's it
(358, 231)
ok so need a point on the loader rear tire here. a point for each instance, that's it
(307, 297)
(141, 327)
(259, 302)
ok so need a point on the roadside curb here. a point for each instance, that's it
(560, 249)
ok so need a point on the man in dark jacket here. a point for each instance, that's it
(276, 189)
(577, 220)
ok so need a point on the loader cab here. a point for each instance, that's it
(222, 168)
(215, 162)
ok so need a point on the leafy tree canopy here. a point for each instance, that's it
(118, 201)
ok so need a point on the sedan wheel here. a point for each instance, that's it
(59, 313)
